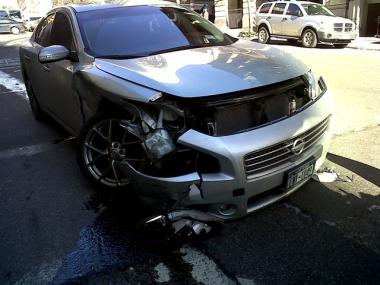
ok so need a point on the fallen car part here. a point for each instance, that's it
(328, 175)
(184, 223)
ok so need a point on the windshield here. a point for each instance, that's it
(126, 32)
(317, 9)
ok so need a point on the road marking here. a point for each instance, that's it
(13, 84)
(163, 273)
(9, 63)
(25, 150)
(204, 269)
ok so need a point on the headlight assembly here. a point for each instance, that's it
(315, 87)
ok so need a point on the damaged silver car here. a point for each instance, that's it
(161, 99)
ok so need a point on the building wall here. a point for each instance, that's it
(222, 17)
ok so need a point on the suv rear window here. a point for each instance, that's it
(265, 8)
(279, 8)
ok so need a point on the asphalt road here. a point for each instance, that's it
(55, 228)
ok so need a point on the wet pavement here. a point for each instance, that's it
(55, 228)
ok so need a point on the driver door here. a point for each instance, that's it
(292, 20)
(61, 97)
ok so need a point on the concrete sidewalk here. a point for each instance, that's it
(366, 43)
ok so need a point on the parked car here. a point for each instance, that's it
(308, 22)
(162, 100)
(8, 25)
(31, 23)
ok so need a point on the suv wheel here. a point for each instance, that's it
(309, 38)
(340, 45)
(15, 30)
(102, 145)
(263, 35)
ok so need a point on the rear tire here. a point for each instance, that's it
(263, 35)
(309, 38)
(340, 45)
(15, 30)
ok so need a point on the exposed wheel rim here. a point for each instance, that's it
(308, 38)
(263, 35)
(105, 145)
(15, 31)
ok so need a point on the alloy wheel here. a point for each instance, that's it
(105, 146)
(309, 39)
(263, 35)
(15, 30)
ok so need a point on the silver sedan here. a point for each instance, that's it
(162, 100)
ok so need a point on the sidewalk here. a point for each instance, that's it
(366, 43)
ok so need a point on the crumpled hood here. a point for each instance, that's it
(209, 70)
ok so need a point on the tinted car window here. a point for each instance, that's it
(145, 30)
(278, 8)
(43, 31)
(317, 9)
(294, 10)
(61, 33)
(265, 8)
(3, 13)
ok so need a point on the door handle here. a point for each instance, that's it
(26, 57)
(284, 19)
(46, 67)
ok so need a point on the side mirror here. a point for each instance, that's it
(53, 53)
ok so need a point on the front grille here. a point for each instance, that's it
(338, 27)
(278, 154)
(348, 27)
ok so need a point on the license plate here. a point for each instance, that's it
(300, 174)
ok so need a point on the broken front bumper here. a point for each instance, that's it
(236, 190)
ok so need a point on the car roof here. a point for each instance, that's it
(295, 2)
(92, 7)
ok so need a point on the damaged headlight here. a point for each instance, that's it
(316, 87)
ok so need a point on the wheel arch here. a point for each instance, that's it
(311, 27)
(266, 25)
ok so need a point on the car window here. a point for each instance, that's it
(265, 8)
(317, 9)
(61, 33)
(3, 13)
(294, 10)
(278, 8)
(43, 31)
(137, 31)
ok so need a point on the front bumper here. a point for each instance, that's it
(231, 189)
(337, 37)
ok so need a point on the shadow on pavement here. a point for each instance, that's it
(284, 42)
(370, 173)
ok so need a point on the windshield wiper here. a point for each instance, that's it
(183, 48)
(122, 56)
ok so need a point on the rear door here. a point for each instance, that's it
(37, 72)
(276, 17)
(292, 20)
(4, 25)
